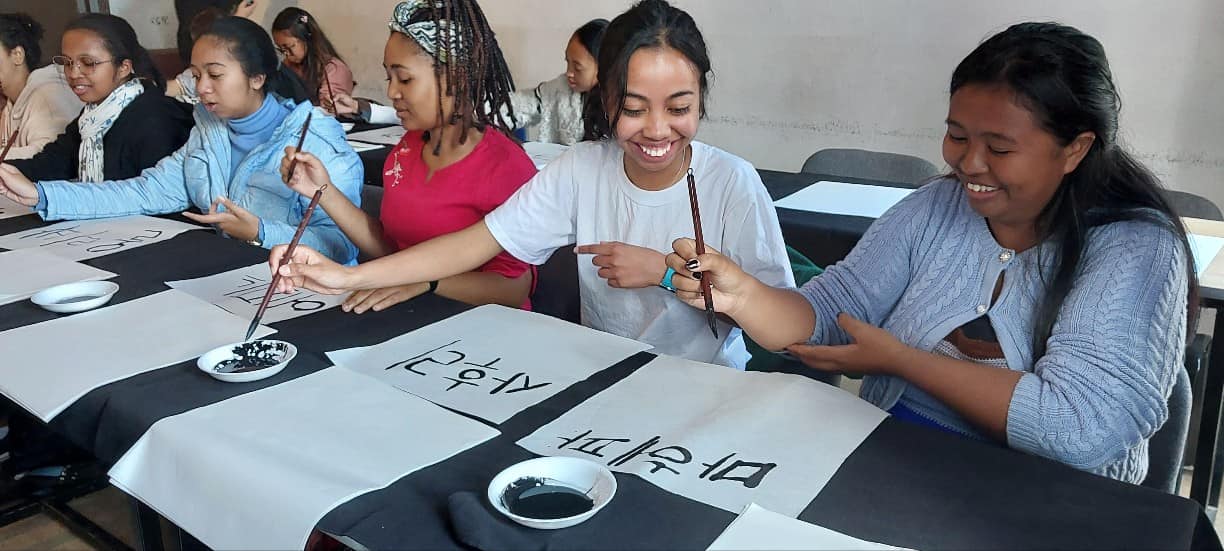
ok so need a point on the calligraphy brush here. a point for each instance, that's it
(297, 236)
(8, 145)
(331, 95)
(705, 281)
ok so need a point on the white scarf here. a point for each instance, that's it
(95, 121)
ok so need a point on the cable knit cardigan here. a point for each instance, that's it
(1100, 391)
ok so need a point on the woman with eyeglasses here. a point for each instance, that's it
(311, 56)
(229, 167)
(128, 123)
(35, 102)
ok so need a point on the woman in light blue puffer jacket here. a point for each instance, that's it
(229, 168)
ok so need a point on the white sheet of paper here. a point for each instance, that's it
(717, 435)
(362, 146)
(259, 470)
(48, 366)
(542, 153)
(845, 199)
(759, 528)
(240, 292)
(11, 209)
(390, 135)
(28, 271)
(1205, 248)
(85, 239)
(491, 361)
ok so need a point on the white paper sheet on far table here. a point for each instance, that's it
(85, 239)
(845, 199)
(390, 135)
(28, 271)
(759, 528)
(240, 292)
(491, 361)
(542, 153)
(48, 366)
(1204, 248)
(717, 435)
(10, 209)
(361, 146)
(259, 470)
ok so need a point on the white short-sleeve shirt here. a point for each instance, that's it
(584, 197)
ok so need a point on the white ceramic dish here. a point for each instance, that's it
(75, 297)
(347, 126)
(208, 362)
(589, 477)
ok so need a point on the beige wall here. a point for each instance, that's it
(794, 76)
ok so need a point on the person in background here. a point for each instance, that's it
(186, 10)
(1036, 297)
(455, 164)
(554, 107)
(127, 124)
(182, 87)
(311, 56)
(229, 167)
(35, 102)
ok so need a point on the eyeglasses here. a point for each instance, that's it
(87, 65)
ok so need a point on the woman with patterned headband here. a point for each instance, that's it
(448, 84)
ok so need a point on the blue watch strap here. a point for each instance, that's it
(666, 282)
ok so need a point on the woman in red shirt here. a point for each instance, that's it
(456, 163)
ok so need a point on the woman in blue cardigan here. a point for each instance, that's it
(1036, 296)
(229, 168)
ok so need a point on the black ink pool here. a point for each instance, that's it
(545, 499)
(253, 355)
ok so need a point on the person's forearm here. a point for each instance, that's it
(775, 318)
(436, 259)
(979, 393)
(363, 230)
(486, 288)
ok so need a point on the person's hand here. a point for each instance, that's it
(246, 9)
(381, 299)
(309, 269)
(626, 266)
(234, 221)
(729, 283)
(344, 104)
(15, 186)
(310, 174)
(873, 351)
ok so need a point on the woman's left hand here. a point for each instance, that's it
(381, 299)
(235, 221)
(873, 351)
(626, 266)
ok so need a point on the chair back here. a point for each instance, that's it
(871, 165)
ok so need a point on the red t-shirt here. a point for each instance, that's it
(415, 210)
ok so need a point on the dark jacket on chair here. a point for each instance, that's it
(150, 128)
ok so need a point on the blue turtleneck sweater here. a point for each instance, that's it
(248, 132)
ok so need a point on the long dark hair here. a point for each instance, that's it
(1062, 77)
(319, 50)
(648, 24)
(477, 76)
(121, 43)
(251, 46)
(21, 30)
(590, 34)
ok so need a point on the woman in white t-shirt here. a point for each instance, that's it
(623, 199)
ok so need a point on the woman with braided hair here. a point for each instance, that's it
(448, 83)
